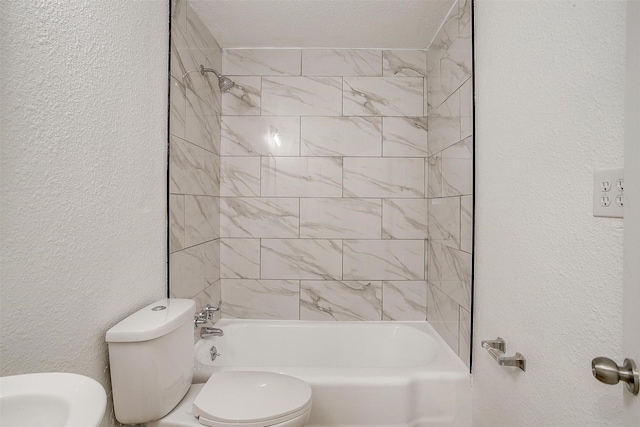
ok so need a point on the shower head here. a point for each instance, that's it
(224, 83)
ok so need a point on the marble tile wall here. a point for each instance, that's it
(323, 209)
(194, 160)
(450, 180)
(327, 184)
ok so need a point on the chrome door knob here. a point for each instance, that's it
(608, 372)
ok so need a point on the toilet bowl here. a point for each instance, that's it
(151, 358)
(242, 398)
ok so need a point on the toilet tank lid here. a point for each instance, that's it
(153, 321)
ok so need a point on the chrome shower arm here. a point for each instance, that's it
(209, 70)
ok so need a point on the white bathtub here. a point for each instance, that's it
(362, 373)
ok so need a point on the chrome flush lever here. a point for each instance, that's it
(608, 372)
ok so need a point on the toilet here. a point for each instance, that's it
(151, 356)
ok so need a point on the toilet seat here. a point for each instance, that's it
(251, 399)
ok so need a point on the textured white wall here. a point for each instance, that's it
(549, 110)
(83, 177)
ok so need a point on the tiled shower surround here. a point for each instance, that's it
(194, 161)
(345, 186)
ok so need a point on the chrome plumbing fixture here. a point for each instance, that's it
(497, 348)
(207, 332)
(608, 372)
(224, 83)
(214, 353)
(204, 315)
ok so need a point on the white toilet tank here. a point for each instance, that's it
(151, 359)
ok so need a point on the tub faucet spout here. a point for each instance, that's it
(207, 332)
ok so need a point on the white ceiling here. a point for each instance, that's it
(387, 24)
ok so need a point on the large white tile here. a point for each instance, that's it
(404, 219)
(301, 177)
(383, 177)
(449, 30)
(466, 109)
(450, 271)
(464, 335)
(244, 98)
(211, 261)
(337, 218)
(426, 177)
(425, 103)
(301, 259)
(201, 219)
(177, 108)
(200, 37)
(466, 223)
(404, 63)
(260, 135)
(240, 176)
(434, 188)
(201, 124)
(240, 258)
(404, 300)
(211, 174)
(443, 314)
(341, 62)
(302, 96)
(440, 87)
(178, 37)
(404, 137)
(435, 95)
(455, 278)
(176, 222)
(198, 48)
(341, 136)
(205, 86)
(255, 217)
(347, 300)
(187, 272)
(434, 262)
(383, 96)
(260, 299)
(457, 169)
(261, 62)
(434, 53)
(455, 65)
(464, 13)
(383, 259)
(187, 174)
(217, 134)
(444, 221)
(191, 46)
(444, 125)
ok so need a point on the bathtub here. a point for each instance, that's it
(393, 374)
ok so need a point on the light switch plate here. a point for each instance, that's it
(608, 193)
